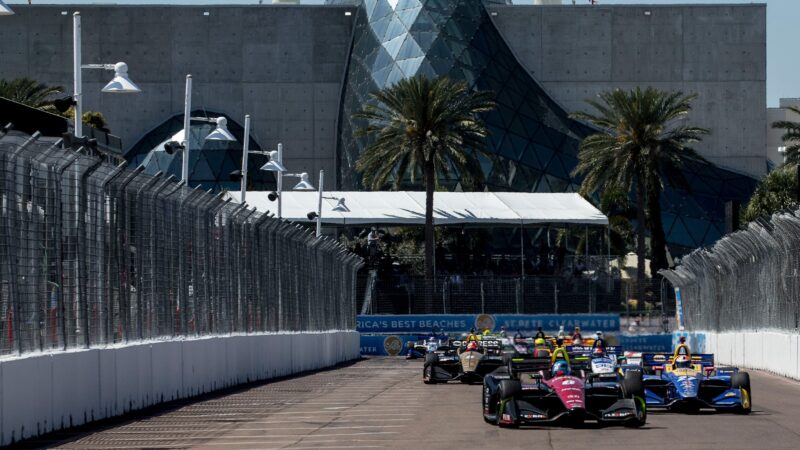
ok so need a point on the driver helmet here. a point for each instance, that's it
(472, 346)
(539, 341)
(599, 335)
(598, 352)
(683, 362)
(560, 368)
(487, 332)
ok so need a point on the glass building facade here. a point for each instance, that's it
(211, 162)
(533, 141)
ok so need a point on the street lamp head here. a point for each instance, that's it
(5, 10)
(340, 206)
(221, 133)
(121, 84)
(275, 164)
(304, 184)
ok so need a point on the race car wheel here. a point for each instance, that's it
(509, 389)
(431, 358)
(427, 374)
(632, 384)
(741, 380)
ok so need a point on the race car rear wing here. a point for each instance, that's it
(529, 363)
(586, 350)
(653, 360)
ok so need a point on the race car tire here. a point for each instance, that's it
(427, 374)
(509, 389)
(632, 384)
(741, 380)
(431, 358)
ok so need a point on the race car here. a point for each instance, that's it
(424, 345)
(467, 361)
(599, 361)
(688, 382)
(534, 390)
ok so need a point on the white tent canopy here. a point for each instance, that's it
(450, 208)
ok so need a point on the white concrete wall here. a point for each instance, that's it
(46, 392)
(772, 351)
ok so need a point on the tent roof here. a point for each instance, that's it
(450, 208)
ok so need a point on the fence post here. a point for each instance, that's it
(483, 300)
(555, 296)
(517, 292)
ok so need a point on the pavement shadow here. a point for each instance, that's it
(68, 435)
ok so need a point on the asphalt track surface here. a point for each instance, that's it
(382, 403)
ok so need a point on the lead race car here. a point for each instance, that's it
(466, 360)
(688, 382)
(533, 390)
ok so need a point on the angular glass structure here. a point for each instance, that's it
(533, 141)
(211, 162)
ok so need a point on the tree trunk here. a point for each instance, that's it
(640, 248)
(430, 235)
(658, 239)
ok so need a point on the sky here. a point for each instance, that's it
(783, 16)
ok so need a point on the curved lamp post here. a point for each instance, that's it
(120, 84)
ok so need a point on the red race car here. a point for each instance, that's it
(530, 391)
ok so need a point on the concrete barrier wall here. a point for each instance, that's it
(771, 351)
(40, 393)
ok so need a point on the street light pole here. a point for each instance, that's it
(187, 122)
(245, 150)
(279, 174)
(319, 204)
(76, 68)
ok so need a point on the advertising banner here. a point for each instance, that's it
(462, 323)
(657, 343)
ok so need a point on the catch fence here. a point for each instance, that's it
(94, 254)
(748, 280)
(537, 294)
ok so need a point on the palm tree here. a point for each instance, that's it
(428, 127)
(791, 137)
(777, 191)
(639, 147)
(30, 92)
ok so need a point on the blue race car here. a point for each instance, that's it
(688, 382)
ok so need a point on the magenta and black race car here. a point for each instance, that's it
(531, 391)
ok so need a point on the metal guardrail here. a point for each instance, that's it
(93, 254)
(749, 280)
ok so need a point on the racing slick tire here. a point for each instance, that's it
(509, 389)
(741, 380)
(632, 384)
(427, 370)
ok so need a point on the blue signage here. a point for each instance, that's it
(462, 323)
(658, 343)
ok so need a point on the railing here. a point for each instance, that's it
(749, 280)
(92, 254)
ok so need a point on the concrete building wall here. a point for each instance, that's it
(716, 51)
(282, 65)
(774, 141)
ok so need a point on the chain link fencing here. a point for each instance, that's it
(748, 280)
(457, 294)
(94, 254)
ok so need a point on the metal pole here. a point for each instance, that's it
(187, 111)
(280, 180)
(319, 204)
(245, 150)
(76, 66)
